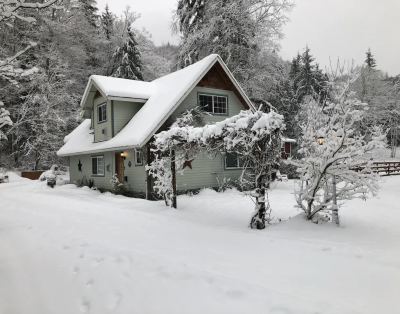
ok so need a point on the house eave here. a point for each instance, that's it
(95, 151)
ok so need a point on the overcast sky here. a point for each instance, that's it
(331, 28)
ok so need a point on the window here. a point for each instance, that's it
(102, 113)
(98, 166)
(214, 104)
(233, 161)
(138, 158)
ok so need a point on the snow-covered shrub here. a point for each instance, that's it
(333, 167)
(118, 188)
(47, 174)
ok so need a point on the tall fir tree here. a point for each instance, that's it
(370, 60)
(310, 81)
(107, 22)
(129, 59)
(189, 18)
(90, 9)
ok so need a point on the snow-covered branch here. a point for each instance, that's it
(334, 165)
(11, 6)
(254, 137)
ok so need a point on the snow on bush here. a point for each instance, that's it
(333, 166)
(49, 174)
(118, 188)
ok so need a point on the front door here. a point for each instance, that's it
(119, 167)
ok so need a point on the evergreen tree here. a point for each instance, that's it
(129, 59)
(310, 81)
(189, 17)
(107, 22)
(295, 67)
(90, 9)
(370, 61)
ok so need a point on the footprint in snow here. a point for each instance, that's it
(85, 306)
(113, 300)
(235, 294)
(326, 248)
(66, 247)
(279, 310)
(75, 270)
(81, 256)
(90, 283)
(96, 262)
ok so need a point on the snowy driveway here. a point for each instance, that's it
(70, 250)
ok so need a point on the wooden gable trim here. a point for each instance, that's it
(97, 95)
(217, 78)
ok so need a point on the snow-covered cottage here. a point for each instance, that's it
(123, 115)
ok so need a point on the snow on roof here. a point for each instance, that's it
(288, 140)
(164, 95)
(117, 87)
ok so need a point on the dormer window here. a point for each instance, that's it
(214, 103)
(102, 113)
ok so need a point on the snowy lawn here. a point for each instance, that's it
(71, 250)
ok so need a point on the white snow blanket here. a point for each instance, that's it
(73, 250)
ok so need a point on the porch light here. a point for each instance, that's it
(123, 155)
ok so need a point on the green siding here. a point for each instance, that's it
(98, 127)
(205, 170)
(123, 112)
(86, 161)
(191, 101)
(136, 174)
(205, 173)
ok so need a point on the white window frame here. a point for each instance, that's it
(137, 151)
(98, 113)
(213, 108)
(237, 162)
(101, 173)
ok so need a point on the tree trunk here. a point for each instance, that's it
(149, 183)
(173, 170)
(335, 209)
(258, 217)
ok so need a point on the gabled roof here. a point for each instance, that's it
(117, 87)
(163, 96)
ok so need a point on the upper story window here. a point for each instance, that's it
(214, 103)
(102, 113)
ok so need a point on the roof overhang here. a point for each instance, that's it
(224, 66)
(96, 151)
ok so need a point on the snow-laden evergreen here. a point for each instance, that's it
(128, 58)
(4, 120)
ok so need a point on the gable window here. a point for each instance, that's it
(214, 103)
(102, 113)
(233, 161)
(98, 165)
(138, 158)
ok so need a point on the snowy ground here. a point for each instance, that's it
(71, 250)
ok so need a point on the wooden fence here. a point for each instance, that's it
(33, 175)
(386, 168)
